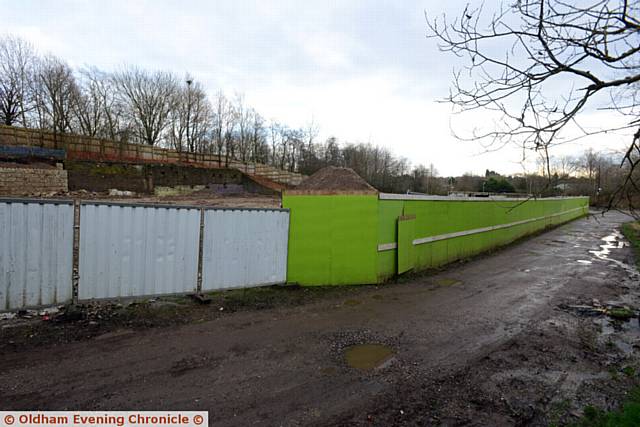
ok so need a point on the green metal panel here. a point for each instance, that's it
(388, 213)
(437, 217)
(406, 228)
(332, 239)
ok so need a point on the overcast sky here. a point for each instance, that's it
(363, 70)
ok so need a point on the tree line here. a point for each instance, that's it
(590, 173)
(160, 108)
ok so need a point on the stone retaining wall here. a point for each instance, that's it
(32, 181)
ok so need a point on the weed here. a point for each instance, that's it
(621, 313)
(631, 231)
(627, 416)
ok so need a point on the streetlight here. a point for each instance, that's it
(189, 81)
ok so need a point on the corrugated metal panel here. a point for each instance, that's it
(244, 248)
(36, 247)
(130, 250)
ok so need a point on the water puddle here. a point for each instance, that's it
(448, 282)
(614, 241)
(367, 356)
(584, 261)
(377, 296)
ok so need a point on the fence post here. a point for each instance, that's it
(200, 252)
(75, 275)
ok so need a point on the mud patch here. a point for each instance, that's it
(367, 357)
(351, 302)
(329, 371)
(182, 366)
(447, 281)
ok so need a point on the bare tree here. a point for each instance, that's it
(16, 69)
(275, 133)
(260, 152)
(222, 118)
(243, 116)
(100, 111)
(56, 93)
(556, 60)
(190, 118)
(90, 106)
(149, 98)
(200, 121)
(565, 166)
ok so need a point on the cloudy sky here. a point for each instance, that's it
(364, 71)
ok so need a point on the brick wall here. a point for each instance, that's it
(31, 181)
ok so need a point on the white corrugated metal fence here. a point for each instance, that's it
(129, 250)
(244, 248)
(36, 253)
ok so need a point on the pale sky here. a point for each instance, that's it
(363, 70)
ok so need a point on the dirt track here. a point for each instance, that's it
(481, 343)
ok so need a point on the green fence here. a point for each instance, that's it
(363, 239)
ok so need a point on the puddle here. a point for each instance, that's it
(367, 356)
(584, 261)
(613, 241)
(351, 302)
(448, 282)
(377, 296)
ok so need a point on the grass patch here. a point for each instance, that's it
(621, 313)
(627, 416)
(631, 231)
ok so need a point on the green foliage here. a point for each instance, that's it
(498, 185)
(627, 416)
(621, 313)
(631, 231)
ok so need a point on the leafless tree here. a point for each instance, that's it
(190, 118)
(223, 123)
(16, 69)
(56, 94)
(564, 166)
(259, 147)
(90, 105)
(275, 134)
(540, 64)
(149, 98)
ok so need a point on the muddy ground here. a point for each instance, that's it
(524, 336)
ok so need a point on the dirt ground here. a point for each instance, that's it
(524, 336)
(202, 198)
